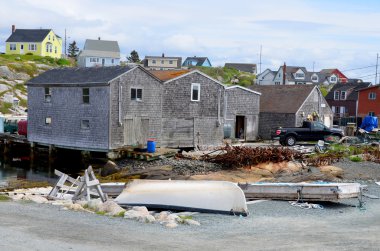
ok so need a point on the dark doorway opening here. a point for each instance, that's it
(240, 127)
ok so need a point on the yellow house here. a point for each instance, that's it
(41, 42)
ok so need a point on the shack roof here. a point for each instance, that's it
(82, 75)
(28, 35)
(282, 98)
(166, 75)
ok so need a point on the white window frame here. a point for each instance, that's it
(314, 78)
(12, 47)
(170, 61)
(32, 47)
(333, 79)
(343, 95)
(300, 75)
(153, 61)
(372, 114)
(136, 90)
(47, 121)
(55, 49)
(372, 95)
(199, 91)
(336, 95)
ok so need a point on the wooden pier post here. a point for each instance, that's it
(32, 152)
(6, 151)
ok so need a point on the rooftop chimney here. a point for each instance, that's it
(13, 28)
(98, 38)
(163, 55)
(284, 73)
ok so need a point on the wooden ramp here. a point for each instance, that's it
(160, 152)
(322, 191)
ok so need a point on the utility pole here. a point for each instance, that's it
(313, 65)
(261, 48)
(65, 45)
(377, 63)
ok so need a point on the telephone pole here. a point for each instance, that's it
(377, 63)
(261, 49)
(65, 45)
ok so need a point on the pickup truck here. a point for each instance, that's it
(309, 131)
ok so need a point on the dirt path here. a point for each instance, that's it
(272, 225)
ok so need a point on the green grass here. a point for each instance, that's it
(4, 198)
(101, 213)
(5, 107)
(7, 59)
(355, 159)
(185, 217)
(227, 75)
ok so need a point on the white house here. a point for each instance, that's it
(266, 77)
(99, 53)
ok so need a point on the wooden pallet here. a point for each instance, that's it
(160, 152)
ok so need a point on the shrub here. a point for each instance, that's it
(356, 159)
(29, 53)
(63, 61)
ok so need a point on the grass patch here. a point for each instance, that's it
(5, 107)
(101, 213)
(121, 214)
(229, 75)
(185, 217)
(4, 198)
(355, 159)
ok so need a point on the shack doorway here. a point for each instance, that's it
(240, 127)
(136, 131)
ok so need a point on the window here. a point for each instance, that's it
(113, 60)
(170, 61)
(55, 49)
(85, 124)
(195, 92)
(47, 94)
(153, 61)
(136, 94)
(372, 95)
(162, 61)
(49, 47)
(49, 37)
(94, 60)
(372, 114)
(336, 95)
(333, 79)
(53, 37)
(342, 95)
(47, 120)
(12, 47)
(86, 95)
(300, 75)
(32, 47)
(314, 78)
(277, 83)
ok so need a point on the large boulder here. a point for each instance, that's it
(111, 208)
(109, 168)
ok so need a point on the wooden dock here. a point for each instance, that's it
(160, 152)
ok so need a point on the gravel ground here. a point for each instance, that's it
(272, 225)
(359, 171)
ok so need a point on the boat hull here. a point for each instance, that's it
(185, 195)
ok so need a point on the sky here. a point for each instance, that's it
(343, 34)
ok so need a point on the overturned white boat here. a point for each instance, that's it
(185, 195)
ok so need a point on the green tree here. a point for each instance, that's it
(134, 58)
(73, 50)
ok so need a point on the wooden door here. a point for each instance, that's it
(136, 131)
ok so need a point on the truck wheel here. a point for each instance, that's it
(290, 141)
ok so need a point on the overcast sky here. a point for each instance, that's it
(331, 33)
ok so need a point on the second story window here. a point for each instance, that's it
(336, 95)
(12, 47)
(372, 95)
(162, 61)
(136, 94)
(55, 49)
(195, 92)
(300, 75)
(85, 124)
(314, 78)
(343, 95)
(153, 61)
(47, 94)
(47, 120)
(333, 79)
(170, 61)
(86, 95)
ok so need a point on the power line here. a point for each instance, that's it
(353, 69)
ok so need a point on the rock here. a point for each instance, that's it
(162, 216)
(22, 76)
(174, 217)
(109, 168)
(76, 207)
(111, 208)
(333, 170)
(35, 198)
(134, 215)
(95, 204)
(5, 72)
(191, 222)
(17, 197)
(142, 210)
(171, 224)
(147, 219)
(283, 167)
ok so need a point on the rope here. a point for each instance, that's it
(304, 205)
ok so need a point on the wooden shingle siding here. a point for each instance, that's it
(148, 108)
(243, 103)
(177, 108)
(66, 110)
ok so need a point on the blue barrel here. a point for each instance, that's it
(151, 145)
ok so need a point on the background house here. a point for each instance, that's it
(162, 63)
(343, 100)
(266, 77)
(99, 53)
(196, 61)
(289, 106)
(368, 103)
(41, 42)
(251, 68)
